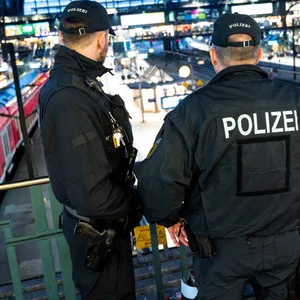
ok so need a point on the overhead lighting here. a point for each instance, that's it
(112, 11)
(142, 56)
(184, 72)
(35, 18)
(131, 54)
(143, 19)
(35, 65)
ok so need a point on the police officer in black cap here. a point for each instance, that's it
(87, 141)
(223, 174)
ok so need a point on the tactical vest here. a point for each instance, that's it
(247, 156)
(118, 111)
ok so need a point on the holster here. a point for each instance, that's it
(202, 245)
(101, 241)
(96, 256)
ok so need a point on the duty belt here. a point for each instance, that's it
(75, 214)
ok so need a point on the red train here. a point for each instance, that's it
(11, 136)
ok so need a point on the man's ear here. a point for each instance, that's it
(259, 54)
(101, 36)
(213, 56)
(61, 39)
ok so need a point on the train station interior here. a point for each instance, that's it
(159, 55)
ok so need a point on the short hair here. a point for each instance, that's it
(76, 40)
(231, 56)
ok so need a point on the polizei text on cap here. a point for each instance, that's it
(78, 9)
(239, 25)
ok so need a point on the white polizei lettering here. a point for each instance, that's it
(256, 130)
(296, 119)
(78, 9)
(267, 122)
(287, 120)
(250, 125)
(239, 25)
(276, 114)
(228, 127)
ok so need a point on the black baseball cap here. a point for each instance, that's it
(229, 24)
(92, 12)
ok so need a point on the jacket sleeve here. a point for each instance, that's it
(164, 176)
(78, 149)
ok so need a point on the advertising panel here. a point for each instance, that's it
(142, 19)
(253, 9)
(37, 29)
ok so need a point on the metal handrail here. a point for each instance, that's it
(24, 183)
(274, 69)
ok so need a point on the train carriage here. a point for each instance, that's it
(10, 130)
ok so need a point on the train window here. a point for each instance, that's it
(9, 93)
(16, 124)
(6, 144)
(9, 130)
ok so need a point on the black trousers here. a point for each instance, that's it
(267, 261)
(115, 282)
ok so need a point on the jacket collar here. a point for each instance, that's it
(241, 69)
(67, 60)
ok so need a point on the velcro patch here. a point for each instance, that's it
(84, 138)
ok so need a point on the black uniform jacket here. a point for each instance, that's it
(227, 158)
(83, 165)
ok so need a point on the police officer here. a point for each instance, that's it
(87, 141)
(227, 162)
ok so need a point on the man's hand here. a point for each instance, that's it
(178, 234)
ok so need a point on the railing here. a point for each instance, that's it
(43, 236)
(274, 69)
(282, 74)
